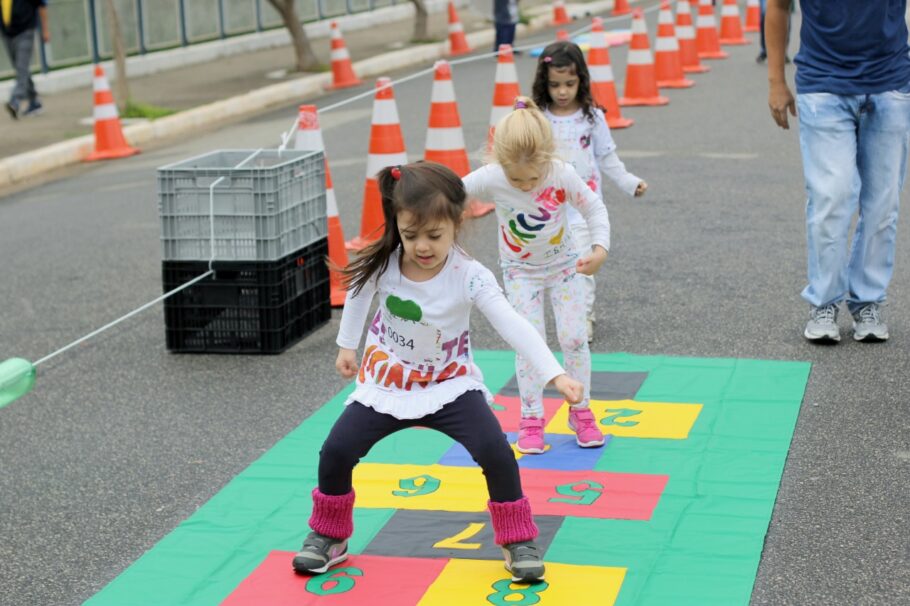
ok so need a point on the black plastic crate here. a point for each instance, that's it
(247, 306)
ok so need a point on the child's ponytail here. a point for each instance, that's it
(523, 136)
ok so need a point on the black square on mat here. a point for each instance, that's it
(604, 386)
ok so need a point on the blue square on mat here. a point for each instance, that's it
(563, 454)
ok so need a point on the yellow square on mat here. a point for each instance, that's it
(431, 487)
(468, 582)
(631, 419)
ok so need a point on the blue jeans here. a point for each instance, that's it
(19, 48)
(854, 150)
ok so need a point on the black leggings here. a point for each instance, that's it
(467, 420)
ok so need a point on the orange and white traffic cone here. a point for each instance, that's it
(667, 63)
(731, 28)
(309, 137)
(562, 35)
(685, 36)
(386, 149)
(342, 69)
(505, 88)
(458, 44)
(753, 16)
(706, 40)
(641, 79)
(603, 88)
(445, 139)
(109, 141)
(560, 16)
(621, 7)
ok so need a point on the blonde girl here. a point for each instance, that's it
(533, 191)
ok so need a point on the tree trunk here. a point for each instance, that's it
(121, 86)
(304, 56)
(421, 22)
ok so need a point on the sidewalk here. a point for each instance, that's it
(67, 114)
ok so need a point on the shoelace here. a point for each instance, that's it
(869, 313)
(318, 544)
(826, 314)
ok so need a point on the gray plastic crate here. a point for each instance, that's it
(266, 205)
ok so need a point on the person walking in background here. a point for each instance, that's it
(505, 18)
(853, 97)
(18, 21)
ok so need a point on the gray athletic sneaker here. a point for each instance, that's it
(868, 325)
(319, 553)
(822, 324)
(523, 561)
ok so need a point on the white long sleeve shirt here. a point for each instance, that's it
(590, 149)
(533, 230)
(418, 355)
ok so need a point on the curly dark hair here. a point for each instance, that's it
(558, 55)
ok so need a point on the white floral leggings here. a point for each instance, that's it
(526, 291)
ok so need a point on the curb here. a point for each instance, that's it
(14, 170)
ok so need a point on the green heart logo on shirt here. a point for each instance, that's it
(409, 310)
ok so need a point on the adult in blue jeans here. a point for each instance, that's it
(853, 96)
(18, 21)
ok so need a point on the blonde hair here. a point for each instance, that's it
(523, 136)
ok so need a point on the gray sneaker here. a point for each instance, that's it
(523, 561)
(319, 553)
(868, 325)
(822, 324)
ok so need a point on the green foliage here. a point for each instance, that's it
(134, 109)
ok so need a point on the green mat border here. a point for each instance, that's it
(701, 547)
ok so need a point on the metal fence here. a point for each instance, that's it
(80, 33)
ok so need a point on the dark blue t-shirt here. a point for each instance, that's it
(852, 47)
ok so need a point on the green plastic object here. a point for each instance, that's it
(17, 376)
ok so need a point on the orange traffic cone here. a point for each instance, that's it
(706, 40)
(109, 141)
(753, 16)
(685, 36)
(603, 88)
(505, 88)
(386, 149)
(731, 28)
(309, 136)
(667, 64)
(562, 35)
(342, 70)
(445, 139)
(621, 7)
(641, 80)
(560, 16)
(458, 44)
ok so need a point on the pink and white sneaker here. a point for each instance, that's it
(583, 423)
(530, 436)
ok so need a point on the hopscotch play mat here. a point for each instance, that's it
(672, 510)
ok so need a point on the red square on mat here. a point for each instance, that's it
(508, 410)
(359, 580)
(592, 494)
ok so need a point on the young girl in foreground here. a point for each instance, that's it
(532, 190)
(418, 368)
(562, 88)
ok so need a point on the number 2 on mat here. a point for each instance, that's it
(417, 486)
(454, 541)
(579, 493)
(614, 414)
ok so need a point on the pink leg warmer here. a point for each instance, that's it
(333, 516)
(512, 521)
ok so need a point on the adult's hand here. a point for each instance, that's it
(781, 101)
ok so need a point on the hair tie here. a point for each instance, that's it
(519, 104)
(396, 172)
(547, 59)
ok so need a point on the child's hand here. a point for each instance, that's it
(346, 363)
(571, 389)
(641, 189)
(589, 264)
